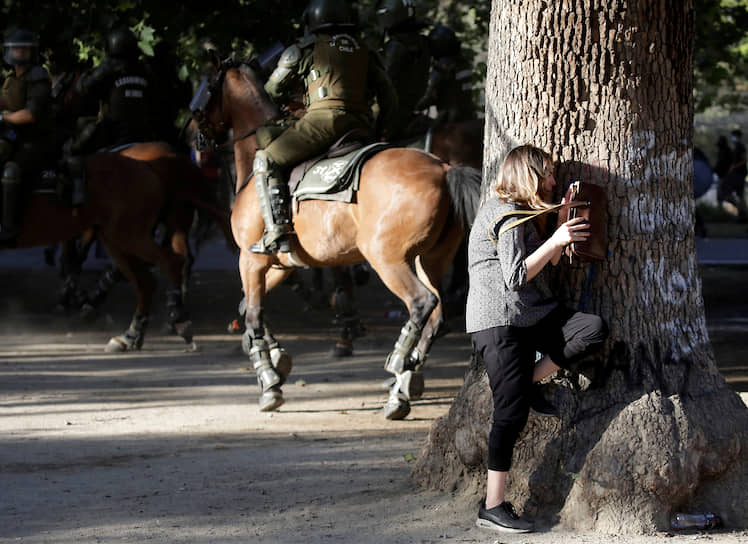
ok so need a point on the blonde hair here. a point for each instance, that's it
(521, 175)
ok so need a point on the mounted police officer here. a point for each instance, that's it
(27, 139)
(120, 90)
(405, 56)
(338, 72)
(122, 85)
(450, 81)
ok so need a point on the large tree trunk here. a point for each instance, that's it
(606, 86)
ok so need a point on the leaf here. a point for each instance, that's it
(146, 48)
(409, 457)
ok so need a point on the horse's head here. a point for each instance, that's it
(232, 98)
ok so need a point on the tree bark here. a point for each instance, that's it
(606, 86)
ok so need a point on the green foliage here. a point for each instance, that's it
(721, 54)
(250, 26)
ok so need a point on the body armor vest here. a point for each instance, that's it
(14, 92)
(31, 91)
(338, 78)
(128, 96)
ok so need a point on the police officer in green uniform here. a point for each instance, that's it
(450, 82)
(27, 133)
(339, 73)
(406, 58)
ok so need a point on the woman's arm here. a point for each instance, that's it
(574, 230)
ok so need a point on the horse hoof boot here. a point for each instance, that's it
(282, 362)
(343, 348)
(115, 345)
(271, 399)
(184, 329)
(388, 383)
(412, 384)
(396, 407)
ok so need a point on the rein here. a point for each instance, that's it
(237, 139)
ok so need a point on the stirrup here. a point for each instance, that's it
(260, 248)
(281, 242)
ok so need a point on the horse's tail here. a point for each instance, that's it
(464, 185)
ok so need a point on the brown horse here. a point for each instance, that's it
(411, 211)
(177, 173)
(125, 199)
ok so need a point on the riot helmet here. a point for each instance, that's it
(121, 43)
(391, 13)
(324, 14)
(20, 48)
(443, 42)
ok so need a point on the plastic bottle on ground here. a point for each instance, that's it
(707, 520)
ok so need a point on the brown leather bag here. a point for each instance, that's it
(594, 209)
(581, 200)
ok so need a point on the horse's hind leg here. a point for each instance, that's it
(170, 264)
(431, 269)
(421, 302)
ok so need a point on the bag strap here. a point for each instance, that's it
(527, 215)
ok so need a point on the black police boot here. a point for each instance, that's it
(76, 167)
(280, 203)
(11, 213)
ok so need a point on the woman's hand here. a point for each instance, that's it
(574, 230)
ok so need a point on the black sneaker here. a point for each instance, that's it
(502, 518)
(539, 405)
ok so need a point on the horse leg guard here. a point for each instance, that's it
(67, 295)
(279, 357)
(398, 403)
(132, 338)
(178, 319)
(268, 380)
(108, 279)
(399, 360)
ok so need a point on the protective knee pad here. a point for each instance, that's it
(11, 174)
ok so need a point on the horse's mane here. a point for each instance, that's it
(257, 96)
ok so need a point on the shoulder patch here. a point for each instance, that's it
(38, 73)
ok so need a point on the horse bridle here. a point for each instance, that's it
(206, 138)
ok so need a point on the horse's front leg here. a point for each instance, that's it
(271, 363)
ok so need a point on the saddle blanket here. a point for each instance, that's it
(334, 178)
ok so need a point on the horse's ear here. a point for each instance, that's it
(214, 59)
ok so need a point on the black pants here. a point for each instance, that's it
(509, 355)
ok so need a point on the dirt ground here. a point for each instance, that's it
(166, 445)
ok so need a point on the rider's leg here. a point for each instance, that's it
(309, 136)
(76, 167)
(12, 196)
(275, 205)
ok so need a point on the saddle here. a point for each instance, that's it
(335, 174)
